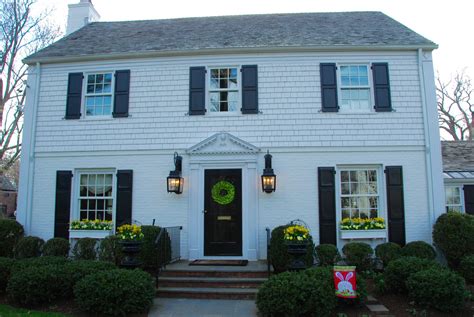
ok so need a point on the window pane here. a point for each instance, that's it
(346, 213)
(345, 80)
(90, 79)
(99, 79)
(233, 73)
(363, 71)
(344, 70)
(345, 188)
(214, 106)
(108, 78)
(223, 83)
(90, 89)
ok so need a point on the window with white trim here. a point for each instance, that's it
(223, 89)
(96, 196)
(453, 198)
(359, 193)
(98, 96)
(354, 87)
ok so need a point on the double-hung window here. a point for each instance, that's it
(453, 198)
(223, 89)
(359, 193)
(96, 197)
(98, 97)
(355, 88)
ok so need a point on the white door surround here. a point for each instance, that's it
(223, 151)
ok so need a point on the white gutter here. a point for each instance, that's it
(428, 165)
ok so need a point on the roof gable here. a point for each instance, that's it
(222, 143)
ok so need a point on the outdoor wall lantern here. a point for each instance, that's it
(268, 176)
(174, 180)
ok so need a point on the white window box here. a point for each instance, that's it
(95, 234)
(363, 234)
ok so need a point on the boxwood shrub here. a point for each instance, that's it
(115, 292)
(78, 269)
(85, 249)
(466, 268)
(37, 262)
(279, 256)
(438, 288)
(28, 247)
(6, 265)
(110, 250)
(327, 254)
(10, 232)
(358, 254)
(453, 234)
(56, 247)
(388, 252)
(151, 254)
(419, 249)
(398, 271)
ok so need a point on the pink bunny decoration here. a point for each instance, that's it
(345, 287)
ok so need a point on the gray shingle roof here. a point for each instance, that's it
(297, 30)
(6, 184)
(458, 155)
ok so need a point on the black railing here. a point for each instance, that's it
(268, 250)
(168, 243)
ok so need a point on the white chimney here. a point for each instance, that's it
(81, 14)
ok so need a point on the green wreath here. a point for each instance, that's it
(223, 192)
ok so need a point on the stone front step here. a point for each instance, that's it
(229, 274)
(207, 292)
(208, 282)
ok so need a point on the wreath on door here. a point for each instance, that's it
(223, 192)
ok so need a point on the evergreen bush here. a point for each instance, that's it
(358, 254)
(28, 247)
(56, 247)
(85, 249)
(419, 249)
(10, 232)
(388, 252)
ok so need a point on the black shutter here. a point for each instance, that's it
(197, 90)
(74, 96)
(63, 204)
(328, 87)
(124, 197)
(249, 89)
(469, 199)
(381, 79)
(122, 93)
(327, 205)
(395, 204)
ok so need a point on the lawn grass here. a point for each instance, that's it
(8, 311)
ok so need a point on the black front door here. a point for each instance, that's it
(223, 212)
(469, 199)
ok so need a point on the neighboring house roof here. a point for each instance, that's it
(458, 159)
(208, 34)
(6, 184)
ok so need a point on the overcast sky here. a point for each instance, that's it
(446, 23)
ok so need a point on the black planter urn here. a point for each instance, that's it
(297, 251)
(130, 251)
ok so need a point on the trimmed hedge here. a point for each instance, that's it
(6, 265)
(115, 292)
(38, 262)
(398, 271)
(110, 250)
(437, 288)
(278, 252)
(80, 268)
(453, 234)
(56, 247)
(327, 254)
(466, 268)
(419, 249)
(28, 247)
(85, 249)
(358, 254)
(388, 252)
(151, 254)
(10, 232)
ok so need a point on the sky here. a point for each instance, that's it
(447, 23)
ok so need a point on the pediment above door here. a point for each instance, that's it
(222, 143)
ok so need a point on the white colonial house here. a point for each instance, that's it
(343, 102)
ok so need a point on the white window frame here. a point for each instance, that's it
(85, 95)
(76, 213)
(461, 196)
(382, 209)
(370, 108)
(209, 91)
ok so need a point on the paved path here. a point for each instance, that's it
(177, 307)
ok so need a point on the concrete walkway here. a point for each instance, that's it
(179, 307)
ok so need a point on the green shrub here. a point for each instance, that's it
(327, 254)
(37, 262)
(6, 265)
(110, 250)
(28, 247)
(437, 288)
(78, 269)
(279, 256)
(358, 254)
(298, 293)
(419, 249)
(85, 249)
(466, 268)
(453, 234)
(38, 285)
(388, 252)
(398, 271)
(151, 254)
(115, 292)
(56, 247)
(10, 232)
(380, 284)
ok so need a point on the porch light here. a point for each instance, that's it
(174, 180)
(268, 176)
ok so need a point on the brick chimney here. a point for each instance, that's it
(81, 14)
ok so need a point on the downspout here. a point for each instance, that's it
(31, 171)
(428, 165)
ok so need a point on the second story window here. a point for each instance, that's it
(223, 89)
(98, 97)
(355, 88)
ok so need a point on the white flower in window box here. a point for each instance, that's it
(358, 228)
(96, 229)
(363, 234)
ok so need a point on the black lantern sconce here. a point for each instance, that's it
(175, 181)
(268, 176)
